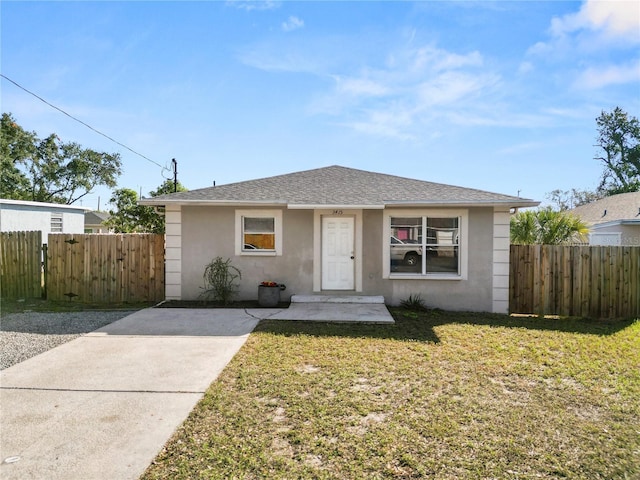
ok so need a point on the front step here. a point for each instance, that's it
(337, 299)
(331, 308)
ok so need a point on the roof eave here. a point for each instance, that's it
(343, 206)
(29, 203)
(465, 203)
(333, 206)
(209, 203)
(613, 223)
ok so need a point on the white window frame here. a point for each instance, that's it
(57, 223)
(463, 243)
(277, 229)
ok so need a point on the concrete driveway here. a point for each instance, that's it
(103, 405)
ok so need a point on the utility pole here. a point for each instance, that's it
(175, 175)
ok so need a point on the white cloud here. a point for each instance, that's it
(359, 86)
(591, 42)
(438, 60)
(251, 5)
(519, 148)
(393, 122)
(598, 26)
(525, 67)
(612, 17)
(414, 87)
(451, 87)
(599, 77)
(292, 23)
(263, 58)
(308, 55)
(409, 88)
(396, 100)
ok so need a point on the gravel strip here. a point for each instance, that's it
(25, 335)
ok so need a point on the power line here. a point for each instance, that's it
(83, 123)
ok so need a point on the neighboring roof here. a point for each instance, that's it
(41, 205)
(338, 186)
(615, 208)
(95, 217)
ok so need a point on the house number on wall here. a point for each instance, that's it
(337, 212)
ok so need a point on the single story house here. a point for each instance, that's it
(22, 215)
(342, 231)
(94, 222)
(613, 220)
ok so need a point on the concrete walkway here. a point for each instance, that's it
(103, 405)
(325, 308)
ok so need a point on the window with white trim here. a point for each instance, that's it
(425, 244)
(258, 232)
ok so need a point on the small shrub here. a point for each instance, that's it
(415, 303)
(220, 280)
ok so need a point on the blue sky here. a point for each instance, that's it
(499, 96)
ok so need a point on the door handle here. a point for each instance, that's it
(352, 257)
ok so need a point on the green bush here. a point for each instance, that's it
(220, 280)
(414, 303)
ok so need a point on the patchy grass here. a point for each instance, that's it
(8, 306)
(442, 395)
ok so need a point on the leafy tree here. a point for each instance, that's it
(568, 199)
(168, 187)
(619, 141)
(546, 227)
(129, 217)
(50, 170)
(16, 145)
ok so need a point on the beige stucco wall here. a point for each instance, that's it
(474, 293)
(208, 232)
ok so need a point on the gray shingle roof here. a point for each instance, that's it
(95, 217)
(338, 185)
(625, 206)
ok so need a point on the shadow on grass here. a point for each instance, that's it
(419, 326)
(585, 326)
(406, 329)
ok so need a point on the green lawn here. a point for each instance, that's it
(438, 395)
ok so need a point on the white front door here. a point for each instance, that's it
(338, 264)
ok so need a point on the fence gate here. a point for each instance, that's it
(21, 264)
(110, 268)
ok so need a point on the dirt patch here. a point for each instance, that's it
(208, 304)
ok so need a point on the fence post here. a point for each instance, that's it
(44, 270)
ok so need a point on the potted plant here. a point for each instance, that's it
(269, 293)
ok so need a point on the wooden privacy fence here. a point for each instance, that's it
(105, 268)
(584, 281)
(21, 264)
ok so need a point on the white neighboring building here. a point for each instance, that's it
(22, 215)
(613, 220)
